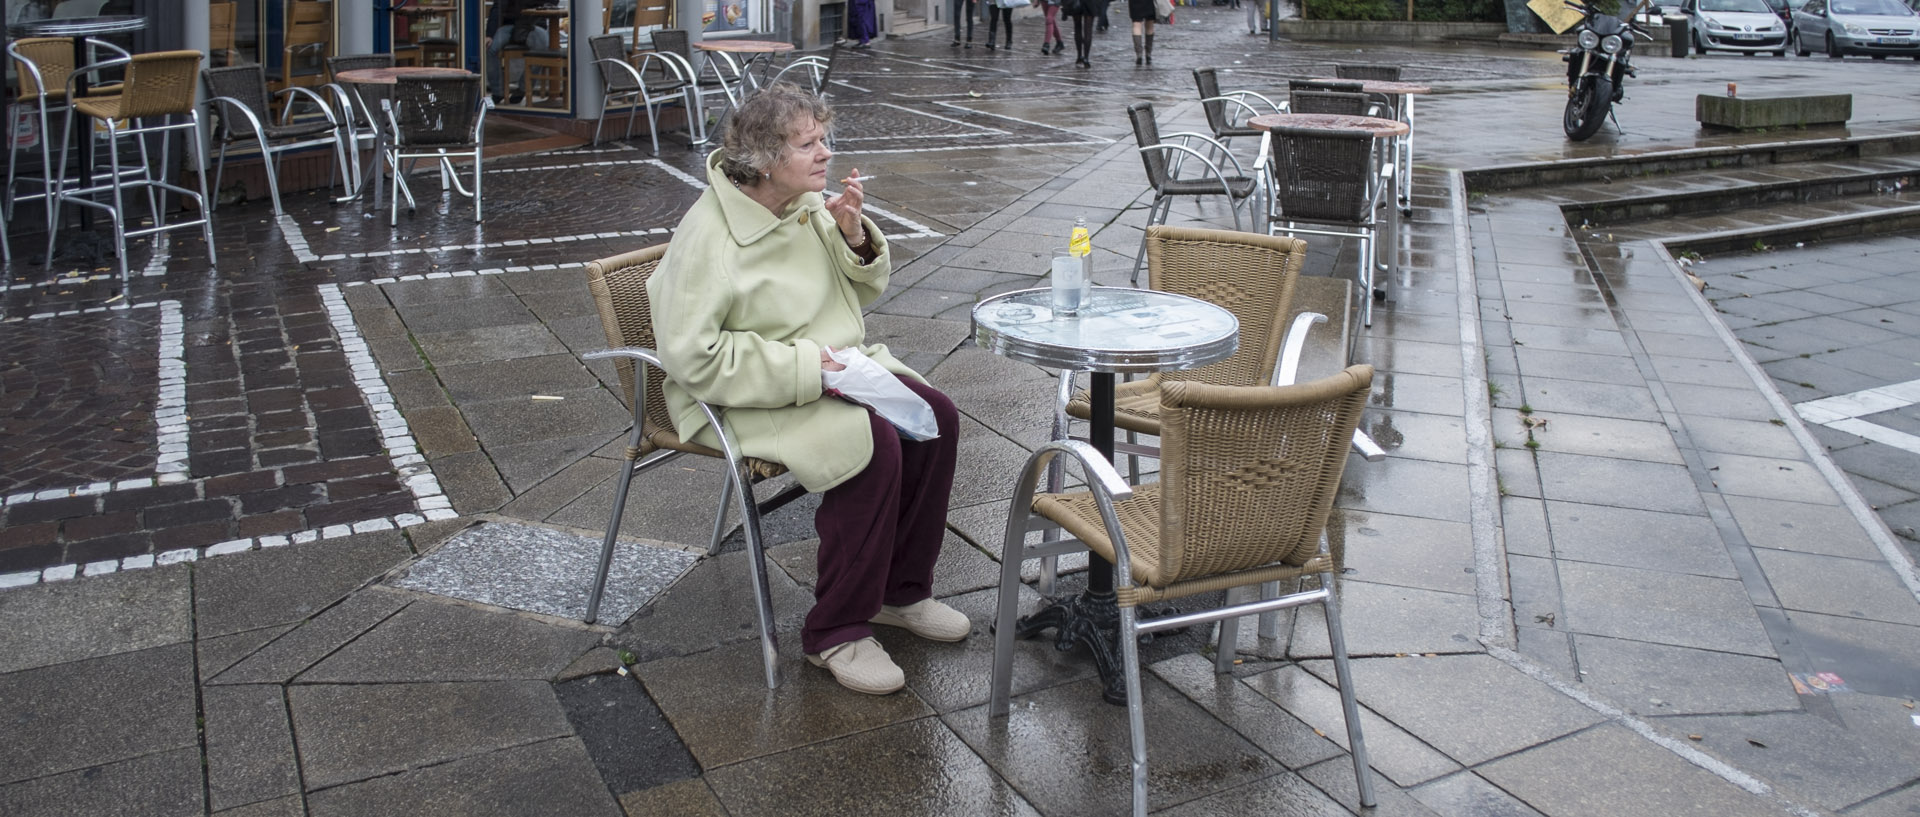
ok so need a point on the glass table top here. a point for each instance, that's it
(1118, 330)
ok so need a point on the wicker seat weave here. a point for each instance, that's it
(1364, 70)
(1250, 275)
(157, 84)
(619, 288)
(247, 84)
(1220, 178)
(436, 111)
(1322, 175)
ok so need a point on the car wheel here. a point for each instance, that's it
(1799, 48)
(1832, 52)
(1699, 45)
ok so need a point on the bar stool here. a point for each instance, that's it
(43, 65)
(158, 87)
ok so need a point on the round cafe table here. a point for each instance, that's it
(1118, 331)
(1402, 94)
(369, 87)
(1380, 127)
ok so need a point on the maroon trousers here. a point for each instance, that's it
(880, 532)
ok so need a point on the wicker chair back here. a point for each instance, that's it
(436, 111)
(1322, 175)
(1324, 85)
(52, 56)
(673, 41)
(356, 62)
(609, 47)
(160, 83)
(1249, 274)
(1335, 102)
(1209, 85)
(248, 85)
(1249, 473)
(1357, 70)
(619, 288)
(1146, 132)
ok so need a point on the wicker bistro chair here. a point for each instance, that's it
(157, 91)
(619, 287)
(1333, 102)
(655, 81)
(1249, 477)
(1376, 104)
(1158, 154)
(356, 107)
(239, 94)
(1367, 70)
(43, 65)
(1227, 111)
(439, 118)
(1331, 182)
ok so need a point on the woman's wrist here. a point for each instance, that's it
(859, 240)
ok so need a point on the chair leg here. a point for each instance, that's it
(1156, 214)
(1012, 554)
(53, 195)
(478, 167)
(1136, 708)
(119, 203)
(1228, 646)
(613, 530)
(273, 171)
(605, 103)
(757, 559)
(206, 193)
(1349, 704)
(1270, 620)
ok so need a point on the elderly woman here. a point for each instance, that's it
(763, 277)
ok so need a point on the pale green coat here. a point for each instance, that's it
(742, 304)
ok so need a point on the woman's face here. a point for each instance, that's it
(803, 168)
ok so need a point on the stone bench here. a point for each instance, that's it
(1756, 112)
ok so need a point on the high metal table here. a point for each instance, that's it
(1118, 331)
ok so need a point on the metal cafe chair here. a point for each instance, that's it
(438, 118)
(1367, 70)
(1155, 152)
(157, 93)
(239, 94)
(1248, 477)
(654, 82)
(43, 65)
(1329, 182)
(1227, 111)
(357, 117)
(619, 288)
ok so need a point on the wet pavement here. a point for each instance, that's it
(304, 534)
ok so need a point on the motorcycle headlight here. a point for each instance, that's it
(1589, 40)
(1610, 43)
(1856, 29)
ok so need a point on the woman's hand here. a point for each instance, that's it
(827, 363)
(845, 209)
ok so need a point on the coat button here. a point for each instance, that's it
(803, 216)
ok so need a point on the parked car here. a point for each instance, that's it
(1748, 26)
(1840, 27)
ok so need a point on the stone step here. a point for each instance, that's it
(1885, 179)
(1665, 166)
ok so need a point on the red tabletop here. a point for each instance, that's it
(744, 46)
(1380, 128)
(386, 76)
(1381, 86)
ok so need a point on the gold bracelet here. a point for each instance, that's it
(863, 243)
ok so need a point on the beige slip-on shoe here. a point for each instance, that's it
(862, 666)
(927, 618)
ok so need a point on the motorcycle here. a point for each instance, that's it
(1596, 68)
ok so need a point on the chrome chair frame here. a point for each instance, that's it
(396, 154)
(640, 91)
(47, 178)
(231, 107)
(1372, 232)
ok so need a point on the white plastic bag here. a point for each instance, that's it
(871, 385)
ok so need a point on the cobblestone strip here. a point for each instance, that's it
(430, 501)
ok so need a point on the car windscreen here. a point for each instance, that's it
(1891, 8)
(1749, 6)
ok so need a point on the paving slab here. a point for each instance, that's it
(281, 585)
(1408, 551)
(250, 755)
(1825, 529)
(961, 568)
(1790, 480)
(1871, 656)
(122, 612)
(1281, 795)
(1383, 619)
(162, 784)
(355, 732)
(287, 655)
(1626, 537)
(712, 605)
(443, 641)
(1403, 759)
(632, 745)
(542, 570)
(1335, 779)
(933, 772)
(97, 711)
(690, 798)
(1469, 793)
(1621, 774)
(1657, 679)
(219, 653)
(551, 777)
(1254, 716)
(1067, 749)
(1808, 755)
(1622, 483)
(719, 702)
(1473, 707)
(1844, 587)
(1661, 607)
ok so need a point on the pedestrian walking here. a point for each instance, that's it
(861, 25)
(1100, 9)
(1143, 13)
(962, 11)
(1050, 42)
(998, 10)
(1082, 13)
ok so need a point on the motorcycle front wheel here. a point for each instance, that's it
(1587, 108)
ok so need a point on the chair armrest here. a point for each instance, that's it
(625, 66)
(227, 104)
(1369, 450)
(93, 43)
(1256, 95)
(651, 358)
(286, 111)
(683, 68)
(1243, 107)
(1295, 344)
(1225, 188)
(94, 68)
(1189, 136)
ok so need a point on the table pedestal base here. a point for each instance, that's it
(1093, 619)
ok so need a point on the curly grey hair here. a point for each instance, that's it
(756, 137)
